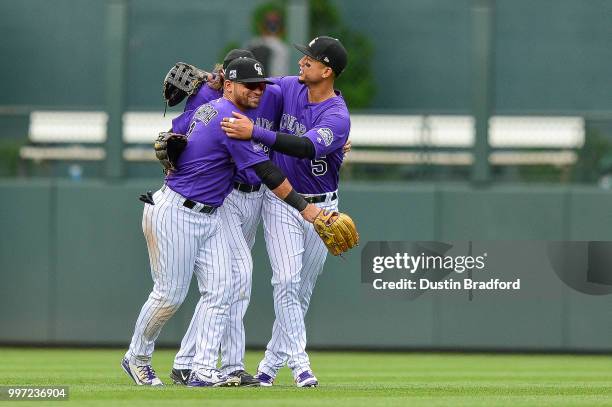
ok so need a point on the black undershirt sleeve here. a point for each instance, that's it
(272, 177)
(300, 147)
(269, 173)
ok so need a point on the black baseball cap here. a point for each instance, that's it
(326, 50)
(245, 70)
(236, 53)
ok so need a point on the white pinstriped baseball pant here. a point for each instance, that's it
(240, 215)
(297, 255)
(182, 241)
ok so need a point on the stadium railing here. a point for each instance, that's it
(376, 138)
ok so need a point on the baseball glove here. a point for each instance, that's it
(337, 230)
(181, 81)
(168, 148)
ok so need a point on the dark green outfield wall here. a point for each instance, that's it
(549, 55)
(74, 269)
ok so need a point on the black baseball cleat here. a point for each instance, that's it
(180, 376)
(246, 380)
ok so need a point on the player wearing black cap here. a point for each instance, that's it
(327, 50)
(316, 124)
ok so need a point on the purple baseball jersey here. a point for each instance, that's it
(207, 166)
(267, 115)
(326, 124)
(204, 95)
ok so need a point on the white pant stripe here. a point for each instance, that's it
(240, 215)
(179, 241)
(297, 255)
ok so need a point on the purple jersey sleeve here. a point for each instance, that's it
(245, 153)
(272, 106)
(330, 134)
(276, 79)
(284, 81)
(204, 95)
(180, 124)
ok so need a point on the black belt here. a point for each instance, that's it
(319, 198)
(191, 204)
(246, 187)
(205, 208)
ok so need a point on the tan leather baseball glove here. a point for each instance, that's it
(337, 230)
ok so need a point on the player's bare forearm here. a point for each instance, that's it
(310, 213)
(283, 191)
(276, 181)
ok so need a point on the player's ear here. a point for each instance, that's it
(327, 72)
(227, 87)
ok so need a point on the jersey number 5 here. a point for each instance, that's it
(319, 167)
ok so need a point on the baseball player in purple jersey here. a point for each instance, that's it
(240, 215)
(184, 233)
(314, 127)
(207, 93)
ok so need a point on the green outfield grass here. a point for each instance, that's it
(347, 379)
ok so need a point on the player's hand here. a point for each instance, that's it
(238, 127)
(310, 213)
(214, 80)
(347, 147)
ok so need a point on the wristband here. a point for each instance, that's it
(296, 200)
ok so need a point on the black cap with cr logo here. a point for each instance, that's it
(245, 70)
